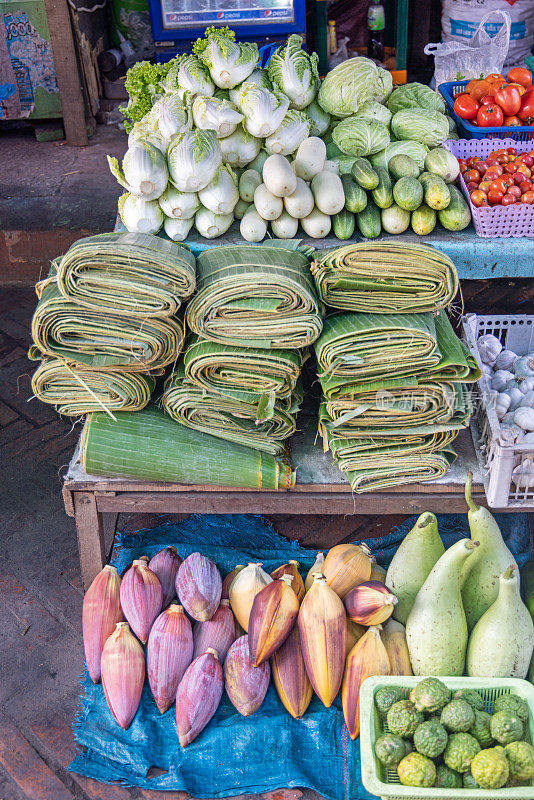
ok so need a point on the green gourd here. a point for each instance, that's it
(411, 564)
(480, 575)
(436, 630)
(502, 641)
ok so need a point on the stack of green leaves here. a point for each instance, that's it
(394, 384)
(108, 320)
(254, 314)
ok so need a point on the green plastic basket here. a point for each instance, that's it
(385, 783)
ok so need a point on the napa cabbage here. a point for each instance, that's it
(264, 110)
(228, 61)
(320, 119)
(139, 215)
(193, 159)
(212, 114)
(221, 194)
(294, 72)
(189, 73)
(144, 171)
(258, 77)
(240, 148)
(295, 127)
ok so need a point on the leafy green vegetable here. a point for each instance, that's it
(360, 136)
(415, 150)
(294, 72)
(228, 61)
(421, 125)
(346, 88)
(143, 82)
(415, 95)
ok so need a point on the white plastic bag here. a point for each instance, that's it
(481, 55)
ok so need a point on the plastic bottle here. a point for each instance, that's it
(376, 23)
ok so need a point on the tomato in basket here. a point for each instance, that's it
(520, 75)
(479, 198)
(526, 111)
(511, 122)
(509, 100)
(490, 116)
(466, 106)
(508, 199)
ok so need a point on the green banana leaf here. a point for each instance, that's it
(263, 428)
(457, 362)
(102, 341)
(351, 454)
(399, 471)
(385, 277)
(76, 390)
(136, 274)
(392, 405)
(149, 445)
(249, 375)
(255, 297)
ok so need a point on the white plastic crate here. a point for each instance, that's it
(497, 457)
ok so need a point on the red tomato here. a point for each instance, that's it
(509, 100)
(520, 75)
(485, 186)
(519, 178)
(528, 197)
(466, 107)
(491, 161)
(463, 168)
(481, 167)
(490, 116)
(525, 170)
(526, 112)
(461, 160)
(479, 198)
(472, 175)
(471, 185)
(493, 172)
(508, 200)
(503, 159)
(520, 89)
(511, 122)
(501, 184)
(494, 196)
(511, 151)
(487, 99)
(472, 160)
(526, 186)
(510, 168)
(514, 190)
(524, 158)
(478, 89)
(495, 76)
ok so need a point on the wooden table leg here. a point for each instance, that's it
(90, 531)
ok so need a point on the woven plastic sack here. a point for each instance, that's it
(481, 55)
(237, 755)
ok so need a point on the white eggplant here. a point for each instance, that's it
(253, 228)
(285, 226)
(267, 204)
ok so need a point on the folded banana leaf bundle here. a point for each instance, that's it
(251, 375)
(351, 453)
(255, 297)
(393, 464)
(149, 445)
(355, 349)
(392, 406)
(102, 341)
(76, 390)
(264, 428)
(136, 274)
(385, 278)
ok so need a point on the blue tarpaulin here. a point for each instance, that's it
(237, 755)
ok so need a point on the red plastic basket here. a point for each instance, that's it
(493, 221)
(468, 131)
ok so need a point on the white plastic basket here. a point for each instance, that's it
(385, 783)
(494, 221)
(498, 458)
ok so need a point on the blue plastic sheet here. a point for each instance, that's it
(237, 755)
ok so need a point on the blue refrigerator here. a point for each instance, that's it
(177, 23)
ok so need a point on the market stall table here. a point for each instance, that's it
(321, 488)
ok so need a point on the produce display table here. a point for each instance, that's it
(321, 488)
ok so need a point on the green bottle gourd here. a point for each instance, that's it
(411, 564)
(436, 630)
(480, 575)
(502, 641)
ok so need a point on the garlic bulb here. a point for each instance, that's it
(523, 474)
(528, 400)
(510, 433)
(505, 360)
(500, 379)
(524, 367)
(516, 398)
(526, 385)
(524, 417)
(508, 418)
(487, 371)
(489, 348)
(502, 404)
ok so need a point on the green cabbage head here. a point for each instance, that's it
(346, 88)
(358, 136)
(428, 127)
(415, 95)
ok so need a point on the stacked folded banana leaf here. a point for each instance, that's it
(108, 321)
(392, 370)
(253, 316)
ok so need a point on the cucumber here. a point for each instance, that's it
(395, 219)
(368, 220)
(343, 224)
(364, 174)
(383, 194)
(423, 220)
(441, 162)
(355, 197)
(436, 191)
(408, 193)
(456, 216)
(403, 166)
